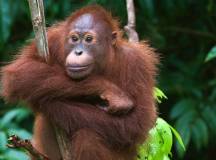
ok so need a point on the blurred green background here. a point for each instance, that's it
(182, 31)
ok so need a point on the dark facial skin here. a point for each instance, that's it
(86, 46)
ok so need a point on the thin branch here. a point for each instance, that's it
(130, 27)
(38, 21)
(16, 142)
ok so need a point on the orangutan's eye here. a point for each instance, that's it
(89, 39)
(74, 38)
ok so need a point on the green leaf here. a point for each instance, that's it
(159, 95)
(200, 133)
(165, 157)
(178, 137)
(151, 146)
(17, 113)
(159, 143)
(183, 126)
(211, 55)
(181, 107)
(210, 117)
(7, 118)
(3, 141)
(23, 114)
(182, 143)
(165, 132)
(186, 119)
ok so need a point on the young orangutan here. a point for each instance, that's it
(96, 86)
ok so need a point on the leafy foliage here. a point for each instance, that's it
(159, 143)
(9, 125)
(159, 95)
(160, 140)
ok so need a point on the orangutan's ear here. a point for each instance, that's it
(114, 37)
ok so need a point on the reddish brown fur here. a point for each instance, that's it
(94, 133)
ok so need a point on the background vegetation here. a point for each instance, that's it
(182, 31)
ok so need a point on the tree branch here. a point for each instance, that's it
(130, 27)
(16, 142)
(38, 21)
